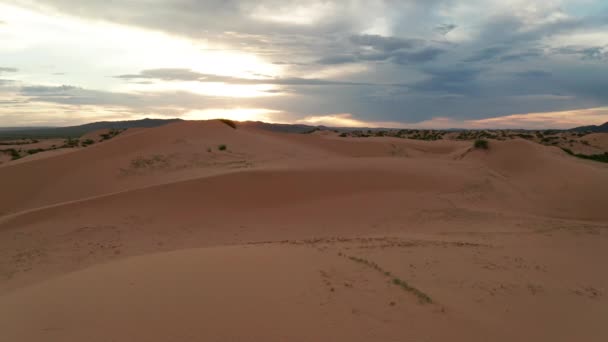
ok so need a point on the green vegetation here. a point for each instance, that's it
(25, 142)
(35, 150)
(481, 144)
(602, 157)
(111, 134)
(70, 143)
(222, 147)
(229, 123)
(155, 161)
(422, 297)
(88, 142)
(416, 134)
(13, 153)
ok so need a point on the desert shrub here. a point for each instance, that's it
(343, 135)
(35, 150)
(222, 147)
(524, 136)
(111, 134)
(15, 156)
(88, 142)
(229, 123)
(602, 157)
(69, 143)
(481, 144)
(13, 152)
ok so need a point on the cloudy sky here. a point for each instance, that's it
(426, 63)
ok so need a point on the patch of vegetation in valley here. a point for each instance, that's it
(601, 157)
(422, 297)
(12, 152)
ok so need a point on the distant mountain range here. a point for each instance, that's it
(593, 128)
(77, 131)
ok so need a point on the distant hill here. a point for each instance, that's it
(285, 128)
(77, 131)
(593, 128)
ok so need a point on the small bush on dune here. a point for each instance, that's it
(481, 144)
(222, 147)
(229, 123)
(13, 153)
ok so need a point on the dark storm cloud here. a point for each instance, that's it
(444, 29)
(459, 80)
(387, 44)
(533, 74)
(520, 56)
(590, 53)
(487, 53)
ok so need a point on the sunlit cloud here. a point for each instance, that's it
(344, 120)
(238, 114)
(304, 13)
(563, 119)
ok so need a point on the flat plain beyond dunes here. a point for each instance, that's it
(196, 231)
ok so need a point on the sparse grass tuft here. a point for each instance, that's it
(152, 162)
(229, 123)
(422, 297)
(481, 144)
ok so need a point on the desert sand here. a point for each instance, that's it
(196, 231)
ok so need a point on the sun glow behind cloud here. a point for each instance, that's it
(237, 114)
(307, 14)
(98, 50)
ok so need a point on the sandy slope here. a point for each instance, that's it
(507, 242)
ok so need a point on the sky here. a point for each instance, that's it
(420, 64)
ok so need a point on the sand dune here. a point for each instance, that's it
(252, 241)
